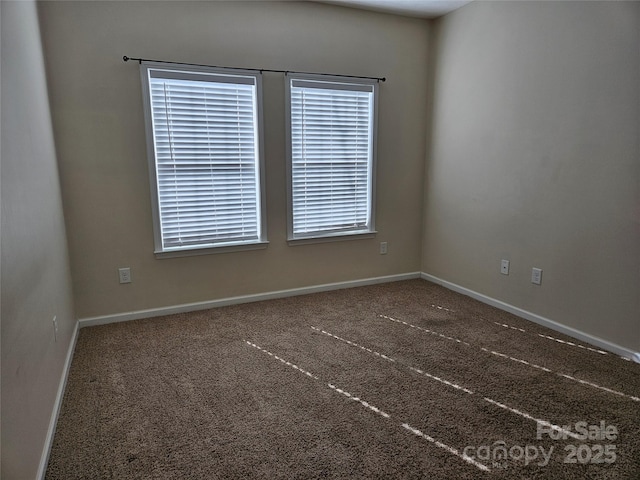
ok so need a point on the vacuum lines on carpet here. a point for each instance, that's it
(518, 360)
(449, 383)
(378, 411)
(463, 389)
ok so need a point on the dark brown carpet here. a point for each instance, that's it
(253, 391)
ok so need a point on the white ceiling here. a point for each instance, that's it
(412, 8)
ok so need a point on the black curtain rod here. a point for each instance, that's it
(140, 60)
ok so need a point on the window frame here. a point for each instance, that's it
(343, 83)
(215, 247)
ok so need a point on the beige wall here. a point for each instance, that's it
(36, 282)
(535, 158)
(99, 126)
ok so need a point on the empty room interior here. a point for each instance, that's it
(320, 239)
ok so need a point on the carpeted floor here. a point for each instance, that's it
(401, 380)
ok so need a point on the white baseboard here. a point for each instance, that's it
(545, 322)
(48, 443)
(192, 307)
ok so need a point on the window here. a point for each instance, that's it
(331, 140)
(205, 159)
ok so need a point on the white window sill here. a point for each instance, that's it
(336, 237)
(240, 247)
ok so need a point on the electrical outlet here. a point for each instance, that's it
(125, 275)
(383, 248)
(55, 328)
(504, 267)
(536, 276)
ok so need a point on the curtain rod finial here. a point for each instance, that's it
(125, 58)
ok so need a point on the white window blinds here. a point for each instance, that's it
(331, 149)
(206, 158)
